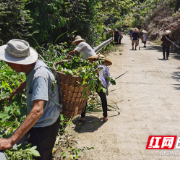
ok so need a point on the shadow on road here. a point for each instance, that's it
(158, 48)
(134, 49)
(176, 76)
(175, 56)
(162, 59)
(91, 124)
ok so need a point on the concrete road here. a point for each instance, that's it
(148, 96)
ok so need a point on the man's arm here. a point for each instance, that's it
(71, 53)
(32, 118)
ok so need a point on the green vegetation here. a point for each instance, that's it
(143, 11)
(50, 26)
(87, 71)
(12, 112)
(15, 20)
(22, 153)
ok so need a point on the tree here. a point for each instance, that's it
(47, 17)
(79, 15)
(15, 21)
(53, 18)
(177, 5)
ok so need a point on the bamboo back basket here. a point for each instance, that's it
(72, 92)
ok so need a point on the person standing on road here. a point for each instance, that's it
(166, 43)
(120, 36)
(135, 38)
(144, 37)
(130, 33)
(116, 35)
(87, 52)
(83, 48)
(103, 76)
(42, 122)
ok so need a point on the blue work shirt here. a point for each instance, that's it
(39, 87)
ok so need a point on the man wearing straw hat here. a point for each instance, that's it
(83, 48)
(166, 43)
(88, 53)
(144, 37)
(135, 38)
(103, 76)
(42, 122)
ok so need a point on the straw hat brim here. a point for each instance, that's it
(165, 33)
(32, 58)
(145, 32)
(106, 62)
(82, 40)
(135, 30)
(96, 56)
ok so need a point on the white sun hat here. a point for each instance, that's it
(78, 38)
(145, 32)
(166, 32)
(18, 51)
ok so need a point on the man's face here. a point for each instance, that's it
(77, 42)
(15, 67)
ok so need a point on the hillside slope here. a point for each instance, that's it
(163, 18)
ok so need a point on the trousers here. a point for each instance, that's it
(42, 137)
(119, 40)
(166, 50)
(103, 102)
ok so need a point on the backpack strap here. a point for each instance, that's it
(60, 104)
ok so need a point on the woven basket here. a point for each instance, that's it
(73, 103)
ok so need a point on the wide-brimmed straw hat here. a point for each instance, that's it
(166, 32)
(135, 30)
(78, 38)
(18, 51)
(145, 32)
(106, 62)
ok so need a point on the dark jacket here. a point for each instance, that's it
(116, 34)
(135, 36)
(165, 42)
